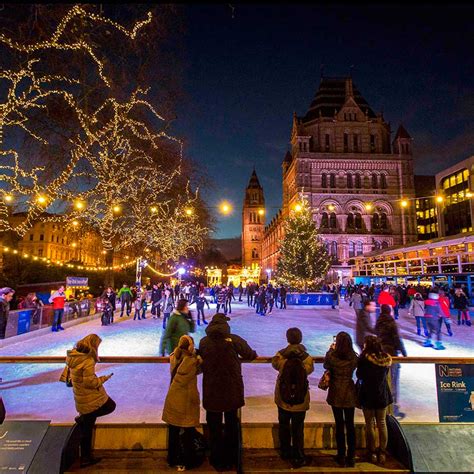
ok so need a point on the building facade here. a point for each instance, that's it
(455, 186)
(425, 205)
(253, 223)
(356, 180)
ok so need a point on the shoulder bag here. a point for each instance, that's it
(324, 381)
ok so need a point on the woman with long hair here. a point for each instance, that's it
(374, 395)
(90, 396)
(341, 361)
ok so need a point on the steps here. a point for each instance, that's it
(254, 461)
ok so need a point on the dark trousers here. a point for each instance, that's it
(250, 299)
(283, 303)
(223, 439)
(155, 309)
(165, 318)
(58, 317)
(200, 313)
(129, 309)
(291, 437)
(433, 327)
(419, 321)
(176, 452)
(228, 305)
(223, 306)
(344, 418)
(87, 423)
(3, 326)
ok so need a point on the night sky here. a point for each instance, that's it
(246, 75)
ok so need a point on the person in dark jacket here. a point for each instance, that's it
(6, 295)
(363, 326)
(341, 361)
(223, 388)
(155, 298)
(125, 297)
(433, 318)
(282, 297)
(374, 395)
(461, 304)
(201, 300)
(387, 331)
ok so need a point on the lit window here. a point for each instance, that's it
(432, 212)
(465, 174)
(452, 181)
(459, 178)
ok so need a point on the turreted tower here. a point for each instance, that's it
(253, 223)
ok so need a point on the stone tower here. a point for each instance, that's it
(253, 223)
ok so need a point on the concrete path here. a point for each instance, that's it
(33, 391)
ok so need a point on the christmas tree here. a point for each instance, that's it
(304, 260)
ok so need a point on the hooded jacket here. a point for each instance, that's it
(432, 307)
(178, 325)
(222, 352)
(278, 362)
(372, 371)
(387, 330)
(386, 298)
(341, 393)
(182, 401)
(89, 392)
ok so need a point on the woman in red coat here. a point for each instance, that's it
(445, 309)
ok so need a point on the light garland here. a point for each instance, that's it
(159, 273)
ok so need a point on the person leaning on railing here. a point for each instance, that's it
(6, 295)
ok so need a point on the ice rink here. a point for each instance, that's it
(32, 391)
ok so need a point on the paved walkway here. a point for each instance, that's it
(33, 392)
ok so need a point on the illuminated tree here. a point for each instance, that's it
(304, 260)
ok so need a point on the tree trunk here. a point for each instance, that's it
(109, 274)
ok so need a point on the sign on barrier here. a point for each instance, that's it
(19, 441)
(455, 390)
(310, 299)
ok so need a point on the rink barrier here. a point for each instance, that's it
(258, 360)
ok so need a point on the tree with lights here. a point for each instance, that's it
(304, 260)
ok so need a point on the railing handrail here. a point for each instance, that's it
(258, 360)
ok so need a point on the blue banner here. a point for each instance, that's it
(77, 281)
(455, 389)
(310, 299)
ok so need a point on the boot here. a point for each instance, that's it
(439, 346)
(418, 332)
(450, 333)
(428, 343)
(204, 321)
(462, 322)
(468, 322)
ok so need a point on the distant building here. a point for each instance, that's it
(455, 185)
(253, 223)
(354, 177)
(425, 204)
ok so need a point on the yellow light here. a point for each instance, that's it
(368, 206)
(439, 199)
(189, 212)
(225, 207)
(15, 251)
(154, 209)
(25, 255)
(126, 256)
(8, 198)
(6, 249)
(41, 200)
(116, 208)
(298, 207)
(469, 194)
(35, 258)
(75, 223)
(261, 212)
(79, 205)
(404, 203)
(103, 252)
(331, 207)
(74, 244)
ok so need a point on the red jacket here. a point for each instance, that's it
(386, 298)
(444, 303)
(58, 300)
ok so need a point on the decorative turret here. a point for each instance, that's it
(402, 143)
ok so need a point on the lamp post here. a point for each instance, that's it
(181, 272)
(269, 274)
(141, 264)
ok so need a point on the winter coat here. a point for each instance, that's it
(363, 327)
(58, 299)
(111, 297)
(178, 325)
(278, 362)
(167, 305)
(182, 401)
(201, 301)
(445, 306)
(432, 309)
(89, 392)
(372, 371)
(357, 301)
(221, 297)
(341, 393)
(386, 298)
(156, 294)
(125, 294)
(417, 308)
(222, 352)
(460, 301)
(387, 331)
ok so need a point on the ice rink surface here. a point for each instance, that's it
(32, 391)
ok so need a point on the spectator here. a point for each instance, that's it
(292, 439)
(387, 330)
(363, 326)
(223, 388)
(32, 302)
(181, 409)
(90, 396)
(341, 361)
(58, 298)
(374, 395)
(6, 295)
(180, 323)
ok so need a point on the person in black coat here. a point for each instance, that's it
(223, 388)
(156, 294)
(363, 326)
(374, 394)
(282, 297)
(387, 330)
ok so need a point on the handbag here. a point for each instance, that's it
(66, 376)
(324, 381)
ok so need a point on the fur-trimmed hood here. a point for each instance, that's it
(382, 360)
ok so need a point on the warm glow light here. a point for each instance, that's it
(469, 194)
(8, 198)
(298, 207)
(261, 212)
(75, 223)
(225, 207)
(331, 207)
(103, 252)
(41, 200)
(74, 244)
(368, 206)
(439, 199)
(79, 205)
(116, 208)
(154, 209)
(404, 203)
(189, 212)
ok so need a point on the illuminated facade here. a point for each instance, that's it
(425, 205)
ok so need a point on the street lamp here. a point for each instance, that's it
(225, 207)
(269, 274)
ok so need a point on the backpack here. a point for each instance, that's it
(293, 382)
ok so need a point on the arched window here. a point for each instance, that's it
(358, 182)
(375, 221)
(350, 220)
(384, 244)
(332, 220)
(374, 181)
(349, 180)
(332, 180)
(324, 180)
(383, 221)
(383, 181)
(254, 253)
(352, 249)
(325, 220)
(358, 220)
(359, 250)
(334, 248)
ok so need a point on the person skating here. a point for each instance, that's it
(179, 324)
(291, 415)
(125, 297)
(283, 297)
(341, 361)
(223, 388)
(200, 302)
(90, 396)
(417, 309)
(363, 326)
(445, 306)
(58, 298)
(156, 294)
(167, 305)
(241, 290)
(433, 317)
(6, 295)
